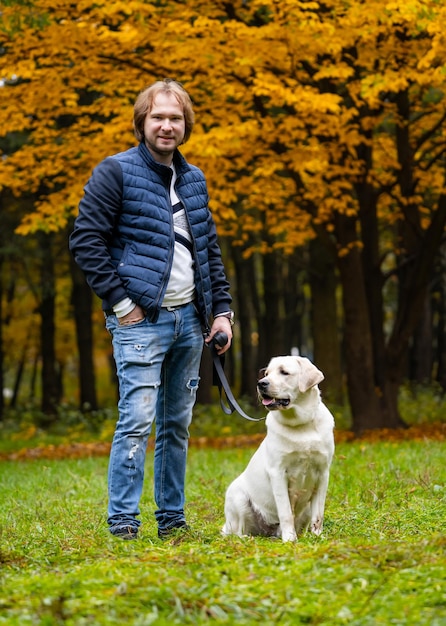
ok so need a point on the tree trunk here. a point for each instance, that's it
(50, 374)
(2, 360)
(419, 248)
(414, 276)
(366, 412)
(246, 317)
(385, 385)
(441, 344)
(440, 301)
(20, 370)
(371, 263)
(421, 349)
(82, 302)
(271, 330)
(297, 333)
(324, 321)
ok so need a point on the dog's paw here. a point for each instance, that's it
(289, 536)
(316, 527)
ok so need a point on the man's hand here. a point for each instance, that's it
(221, 324)
(135, 316)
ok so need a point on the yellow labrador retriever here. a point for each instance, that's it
(283, 488)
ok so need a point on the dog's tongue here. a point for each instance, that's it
(267, 401)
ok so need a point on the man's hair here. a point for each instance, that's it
(144, 103)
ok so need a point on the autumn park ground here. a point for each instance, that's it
(380, 560)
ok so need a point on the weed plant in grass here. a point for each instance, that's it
(380, 560)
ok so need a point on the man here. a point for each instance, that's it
(147, 243)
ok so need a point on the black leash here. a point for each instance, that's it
(221, 339)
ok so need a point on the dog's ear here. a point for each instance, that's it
(309, 374)
(261, 373)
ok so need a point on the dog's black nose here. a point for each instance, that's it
(263, 384)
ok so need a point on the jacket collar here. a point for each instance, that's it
(179, 161)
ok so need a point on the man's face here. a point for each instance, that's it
(164, 127)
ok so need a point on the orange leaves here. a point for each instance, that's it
(419, 432)
(288, 95)
(424, 432)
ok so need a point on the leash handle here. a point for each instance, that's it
(221, 339)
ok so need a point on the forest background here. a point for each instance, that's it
(321, 131)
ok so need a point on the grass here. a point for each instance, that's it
(380, 560)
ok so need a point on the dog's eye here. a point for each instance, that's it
(284, 372)
(262, 373)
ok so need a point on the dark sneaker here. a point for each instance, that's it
(124, 532)
(172, 531)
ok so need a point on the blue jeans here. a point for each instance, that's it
(158, 372)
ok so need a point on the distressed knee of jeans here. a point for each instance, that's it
(192, 384)
(133, 451)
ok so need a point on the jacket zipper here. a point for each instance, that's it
(195, 258)
(162, 290)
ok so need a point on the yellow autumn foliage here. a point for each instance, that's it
(288, 96)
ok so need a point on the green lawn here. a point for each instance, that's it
(381, 559)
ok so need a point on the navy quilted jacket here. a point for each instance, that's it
(123, 237)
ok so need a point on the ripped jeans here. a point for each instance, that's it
(158, 372)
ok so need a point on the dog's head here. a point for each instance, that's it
(285, 378)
